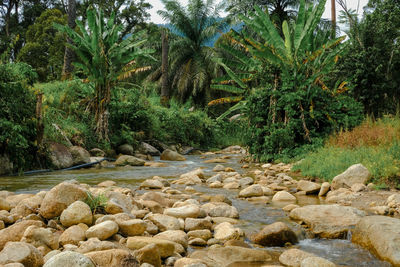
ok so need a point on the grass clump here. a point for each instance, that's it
(96, 203)
(375, 144)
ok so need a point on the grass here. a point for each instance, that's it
(96, 203)
(375, 144)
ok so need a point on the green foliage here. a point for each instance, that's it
(44, 48)
(296, 103)
(17, 114)
(96, 203)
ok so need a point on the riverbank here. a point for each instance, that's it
(224, 213)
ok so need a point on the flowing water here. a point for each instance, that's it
(253, 216)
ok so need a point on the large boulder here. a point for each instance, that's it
(125, 149)
(70, 259)
(79, 155)
(41, 237)
(254, 190)
(308, 187)
(59, 198)
(147, 149)
(129, 160)
(274, 235)
(328, 221)
(16, 231)
(379, 234)
(21, 252)
(59, 156)
(171, 155)
(294, 257)
(354, 174)
(77, 212)
(112, 258)
(165, 222)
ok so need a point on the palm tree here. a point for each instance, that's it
(103, 59)
(191, 65)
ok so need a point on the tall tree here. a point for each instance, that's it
(69, 55)
(191, 65)
(164, 69)
(104, 59)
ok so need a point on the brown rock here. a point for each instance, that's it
(112, 258)
(73, 235)
(276, 234)
(149, 254)
(21, 252)
(16, 231)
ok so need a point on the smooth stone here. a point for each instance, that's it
(124, 160)
(308, 187)
(170, 155)
(70, 259)
(197, 224)
(225, 231)
(149, 254)
(254, 190)
(324, 189)
(131, 227)
(165, 222)
(21, 252)
(76, 213)
(166, 248)
(112, 258)
(316, 262)
(188, 211)
(73, 235)
(293, 257)
(15, 232)
(283, 196)
(275, 235)
(102, 230)
(177, 236)
(356, 173)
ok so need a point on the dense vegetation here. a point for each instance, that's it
(291, 83)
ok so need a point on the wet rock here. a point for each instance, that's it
(231, 185)
(354, 174)
(176, 236)
(41, 237)
(381, 235)
(188, 211)
(131, 227)
(124, 160)
(112, 258)
(192, 224)
(166, 248)
(316, 262)
(152, 184)
(308, 187)
(197, 242)
(168, 154)
(225, 231)
(328, 221)
(283, 196)
(97, 152)
(59, 156)
(73, 235)
(21, 252)
(246, 181)
(203, 234)
(59, 198)
(324, 189)
(275, 235)
(219, 168)
(79, 155)
(236, 243)
(70, 259)
(216, 185)
(149, 254)
(215, 178)
(76, 213)
(125, 149)
(165, 222)
(148, 149)
(15, 232)
(102, 230)
(254, 190)
(220, 209)
(290, 207)
(188, 262)
(293, 257)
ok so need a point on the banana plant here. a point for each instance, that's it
(104, 59)
(300, 57)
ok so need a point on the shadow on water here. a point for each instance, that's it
(253, 216)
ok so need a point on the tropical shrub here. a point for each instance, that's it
(17, 114)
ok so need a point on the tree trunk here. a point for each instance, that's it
(39, 118)
(164, 70)
(333, 10)
(103, 96)
(69, 55)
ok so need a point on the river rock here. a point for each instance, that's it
(166, 248)
(97, 152)
(152, 184)
(188, 262)
(76, 213)
(275, 235)
(187, 211)
(118, 203)
(79, 155)
(149, 254)
(203, 234)
(283, 196)
(27, 206)
(220, 209)
(124, 160)
(59, 156)
(231, 185)
(112, 258)
(354, 174)
(197, 224)
(219, 168)
(125, 149)
(21, 252)
(357, 187)
(102, 230)
(290, 207)
(4, 204)
(168, 154)
(293, 257)
(165, 222)
(176, 236)
(148, 149)
(328, 221)
(316, 262)
(225, 231)
(94, 244)
(131, 227)
(73, 235)
(15, 232)
(254, 190)
(246, 181)
(59, 198)
(41, 237)
(379, 234)
(308, 187)
(215, 178)
(324, 189)
(70, 259)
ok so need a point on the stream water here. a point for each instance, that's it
(253, 216)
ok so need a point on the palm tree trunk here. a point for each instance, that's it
(69, 55)
(103, 95)
(333, 12)
(164, 70)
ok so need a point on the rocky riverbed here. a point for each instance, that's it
(216, 212)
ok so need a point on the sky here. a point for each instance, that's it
(157, 5)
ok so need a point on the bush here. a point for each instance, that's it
(17, 109)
